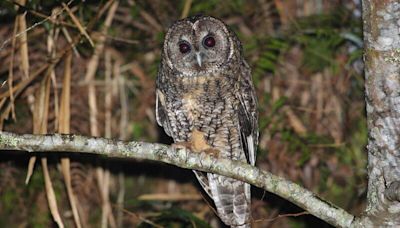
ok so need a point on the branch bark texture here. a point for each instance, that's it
(182, 158)
(381, 20)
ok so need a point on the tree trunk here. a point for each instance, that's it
(381, 20)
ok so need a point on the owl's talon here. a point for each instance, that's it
(182, 145)
(212, 152)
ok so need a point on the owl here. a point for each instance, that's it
(206, 101)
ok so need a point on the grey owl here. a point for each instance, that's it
(206, 100)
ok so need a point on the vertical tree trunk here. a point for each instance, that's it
(381, 20)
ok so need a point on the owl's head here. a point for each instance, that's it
(198, 45)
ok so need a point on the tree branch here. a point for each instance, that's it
(182, 158)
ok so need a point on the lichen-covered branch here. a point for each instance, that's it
(382, 84)
(182, 158)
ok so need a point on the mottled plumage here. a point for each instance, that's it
(205, 97)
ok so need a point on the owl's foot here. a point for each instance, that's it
(212, 152)
(189, 145)
(182, 145)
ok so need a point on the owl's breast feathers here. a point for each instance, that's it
(205, 105)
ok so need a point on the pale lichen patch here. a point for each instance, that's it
(386, 133)
(8, 141)
(388, 27)
(384, 41)
(394, 56)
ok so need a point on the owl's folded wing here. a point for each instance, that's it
(248, 114)
(161, 112)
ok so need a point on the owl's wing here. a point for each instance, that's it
(161, 112)
(203, 180)
(248, 114)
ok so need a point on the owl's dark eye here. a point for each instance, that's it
(209, 42)
(184, 47)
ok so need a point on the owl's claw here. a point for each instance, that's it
(189, 146)
(212, 152)
(182, 145)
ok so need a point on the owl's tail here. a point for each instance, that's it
(232, 199)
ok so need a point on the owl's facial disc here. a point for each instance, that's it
(198, 47)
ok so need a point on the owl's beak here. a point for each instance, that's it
(198, 58)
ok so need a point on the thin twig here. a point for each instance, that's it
(139, 217)
(282, 216)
